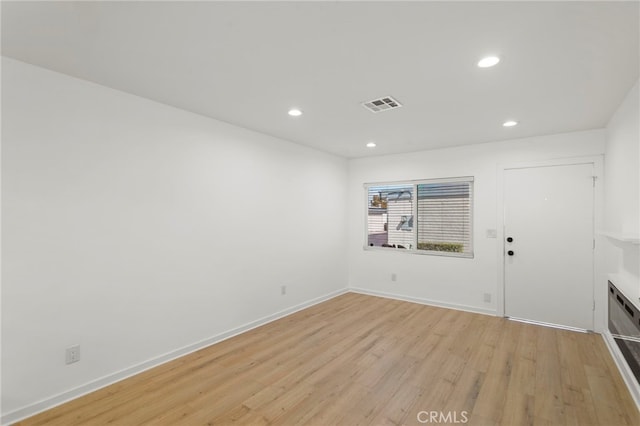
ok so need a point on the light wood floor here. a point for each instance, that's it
(366, 360)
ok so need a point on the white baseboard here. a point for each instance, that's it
(625, 371)
(61, 398)
(474, 309)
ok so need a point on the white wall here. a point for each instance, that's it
(449, 281)
(136, 229)
(622, 191)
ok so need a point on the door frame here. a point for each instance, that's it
(599, 276)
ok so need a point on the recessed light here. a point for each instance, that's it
(489, 61)
(510, 123)
(371, 145)
(295, 112)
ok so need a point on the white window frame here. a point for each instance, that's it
(414, 184)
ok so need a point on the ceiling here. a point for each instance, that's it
(565, 66)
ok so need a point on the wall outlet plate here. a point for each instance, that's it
(73, 354)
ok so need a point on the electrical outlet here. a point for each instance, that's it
(487, 298)
(394, 277)
(283, 289)
(73, 354)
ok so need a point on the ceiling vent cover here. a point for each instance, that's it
(382, 104)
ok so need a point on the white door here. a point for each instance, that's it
(548, 265)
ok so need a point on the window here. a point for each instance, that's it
(429, 216)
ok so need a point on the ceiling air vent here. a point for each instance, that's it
(382, 104)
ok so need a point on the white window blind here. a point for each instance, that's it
(444, 216)
(428, 216)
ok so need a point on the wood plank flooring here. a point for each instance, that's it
(363, 360)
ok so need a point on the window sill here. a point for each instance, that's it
(419, 252)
